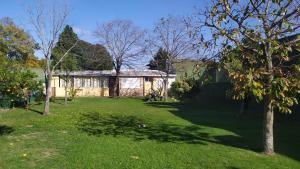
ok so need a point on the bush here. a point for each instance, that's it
(5, 102)
(179, 89)
(73, 92)
(38, 95)
(153, 96)
(188, 87)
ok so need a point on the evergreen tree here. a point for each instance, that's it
(69, 63)
(159, 62)
(93, 57)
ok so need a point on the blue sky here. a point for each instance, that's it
(85, 14)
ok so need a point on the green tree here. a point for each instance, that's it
(16, 81)
(93, 57)
(69, 63)
(16, 44)
(262, 69)
(159, 61)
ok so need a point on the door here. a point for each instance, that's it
(111, 82)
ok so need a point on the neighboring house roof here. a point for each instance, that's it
(123, 73)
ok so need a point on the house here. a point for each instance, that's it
(100, 83)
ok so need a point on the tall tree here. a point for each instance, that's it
(124, 41)
(66, 40)
(47, 23)
(16, 44)
(159, 61)
(267, 75)
(175, 36)
(93, 56)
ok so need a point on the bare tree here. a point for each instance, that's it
(175, 36)
(124, 41)
(47, 23)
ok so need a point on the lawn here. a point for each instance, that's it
(129, 133)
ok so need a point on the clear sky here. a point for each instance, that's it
(85, 14)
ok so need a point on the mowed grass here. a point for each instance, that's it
(129, 133)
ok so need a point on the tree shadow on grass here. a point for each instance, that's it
(130, 126)
(4, 130)
(247, 128)
(36, 111)
(59, 101)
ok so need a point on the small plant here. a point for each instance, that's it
(154, 96)
(72, 93)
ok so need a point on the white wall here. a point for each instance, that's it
(130, 83)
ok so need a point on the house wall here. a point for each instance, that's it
(129, 86)
(158, 84)
(148, 86)
(81, 91)
(137, 86)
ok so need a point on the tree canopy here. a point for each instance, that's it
(159, 61)
(66, 40)
(255, 36)
(93, 56)
(16, 44)
(16, 56)
(84, 56)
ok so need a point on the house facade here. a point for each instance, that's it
(100, 83)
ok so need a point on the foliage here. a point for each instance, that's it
(159, 61)
(72, 92)
(261, 34)
(84, 56)
(16, 44)
(16, 81)
(258, 56)
(179, 89)
(93, 56)
(189, 86)
(154, 96)
(66, 40)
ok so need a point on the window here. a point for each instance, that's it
(148, 79)
(86, 82)
(77, 82)
(94, 82)
(130, 83)
(104, 82)
(62, 82)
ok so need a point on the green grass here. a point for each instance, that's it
(128, 133)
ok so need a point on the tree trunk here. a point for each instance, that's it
(116, 84)
(242, 108)
(66, 92)
(48, 92)
(268, 141)
(166, 84)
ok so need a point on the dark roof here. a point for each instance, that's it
(124, 73)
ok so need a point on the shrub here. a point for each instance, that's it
(153, 96)
(188, 87)
(17, 82)
(73, 92)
